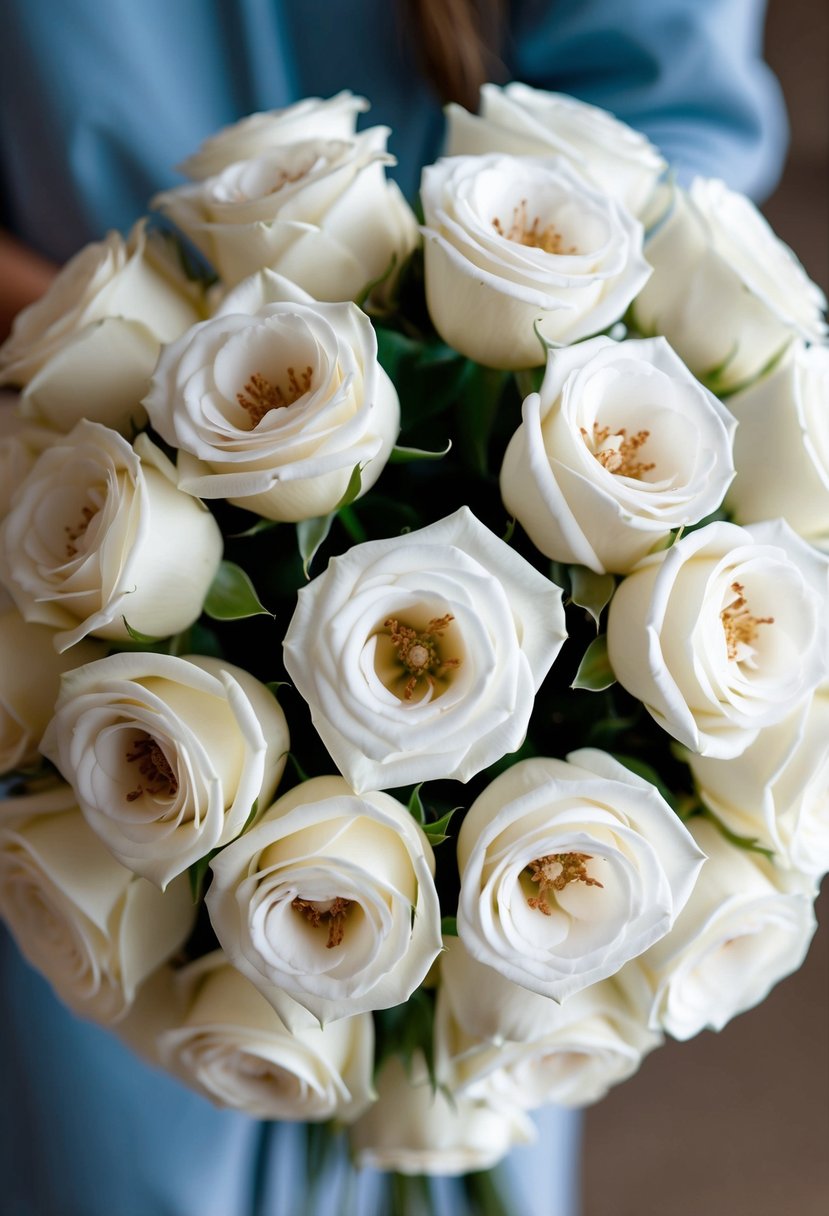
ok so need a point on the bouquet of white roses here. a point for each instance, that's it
(412, 692)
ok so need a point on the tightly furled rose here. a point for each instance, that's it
(514, 244)
(233, 1048)
(428, 650)
(725, 291)
(98, 533)
(619, 446)
(274, 411)
(93, 928)
(569, 869)
(318, 211)
(723, 634)
(329, 898)
(167, 756)
(87, 348)
(523, 121)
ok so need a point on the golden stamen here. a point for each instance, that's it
(618, 460)
(155, 767)
(260, 396)
(532, 234)
(77, 531)
(334, 915)
(419, 653)
(554, 872)
(739, 625)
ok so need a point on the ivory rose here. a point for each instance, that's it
(167, 756)
(232, 1047)
(87, 348)
(568, 869)
(725, 291)
(93, 928)
(428, 649)
(523, 121)
(98, 533)
(275, 411)
(513, 245)
(723, 634)
(619, 446)
(329, 898)
(20, 445)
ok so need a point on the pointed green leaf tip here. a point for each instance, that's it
(595, 673)
(232, 595)
(591, 591)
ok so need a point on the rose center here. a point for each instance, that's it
(420, 654)
(260, 395)
(74, 532)
(330, 912)
(155, 769)
(522, 232)
(738, 623)
(616, 451)
(554, 872)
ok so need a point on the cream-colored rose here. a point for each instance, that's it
(568, 869)
(777, 791)
(330, 900)
(93, 928)
(318, 211)
(98, 533)
(415, 1129)
(232, 1047)
(43, 795)
(274, 411)
(30, 672)
(523, 121)
(746, 926)
(428, 649)
(516, 244)
(619, 446)
(20, 446)
(723, 634)
(87, 348)
(311, 118)
(782, 445)
(725, 291)
(168, 756)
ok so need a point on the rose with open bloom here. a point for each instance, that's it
(514, 245)
(427, 651)
(329, 899)
(723, 634)
(93, 928)
(569, 869)
(168, 756)
(98, 533)
(230, 1044)
(619, 446)
(275, 411)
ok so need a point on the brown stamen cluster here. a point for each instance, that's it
(739, 625)
(619, 460)
(532, 234)
(154, 767)
(260, 396)
(334, 915)
(554, 872)
(419, 653)
(77, 530)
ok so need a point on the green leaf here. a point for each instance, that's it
(449, 926)
(408, 455)
(232, 595)
(478, 406)
(416, 808)
(591, 591)
(352, 490)
(438, 831)
(595, 673)
(310, 535)
(143, 639)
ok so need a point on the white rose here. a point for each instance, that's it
(569, 869)
(311, 118)
(318, 211)
(44, 796)
(20, 446)
(745, 927)
(274, 411)
(782, 445)
(87, 348)
(167, 755)
(30, 672)
(725, 291)
(97, 533)
(93, 928)
(329, 899)
(522, 121)
(232, 1047)
(723, 634)
(513, 244)
(428, 650)
(619, 446)
(777, 791)
(415, 1129)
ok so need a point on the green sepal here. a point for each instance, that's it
(416, 807)
(400, 455)
(591, 591)
(595, 673)
(437, 831)
(311, 533)
(143, 639)
(232, 595)
(750, 844)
